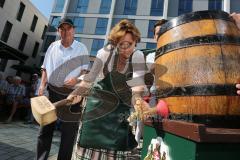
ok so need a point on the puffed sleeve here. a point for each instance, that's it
(97, 67)
(139, 70)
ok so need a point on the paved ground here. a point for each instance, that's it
(18, 141)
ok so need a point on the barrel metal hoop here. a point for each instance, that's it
(194, 16)
(218, 39)
(198, 90)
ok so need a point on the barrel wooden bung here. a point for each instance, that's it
(201, 51)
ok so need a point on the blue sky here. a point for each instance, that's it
(45, 6)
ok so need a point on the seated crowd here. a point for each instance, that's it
(15, 93)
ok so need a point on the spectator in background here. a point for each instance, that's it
(150, 60)
(3, 85)
(3, 90)
(34, 85)
(35, 82)
(16, 96)
(9, 79)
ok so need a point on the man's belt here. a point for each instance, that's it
(60, 90)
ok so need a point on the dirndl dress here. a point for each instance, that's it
(87, 131)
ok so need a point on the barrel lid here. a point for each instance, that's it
(194, 16)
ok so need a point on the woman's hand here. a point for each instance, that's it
(82, 89)
(145, 106)
(74, 99)
(141, 107)
(238, 89)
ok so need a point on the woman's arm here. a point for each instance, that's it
(83, 88)
(137, 84)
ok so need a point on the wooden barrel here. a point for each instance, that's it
(198, 66)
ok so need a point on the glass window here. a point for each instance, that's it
(54, 24)
(44, 31)
(20, 11)
(2, 3)
(48, 41)
(78, 23)
(35, 49)
(77, 39)
(105, 6)
(34, 23)
(41, 61)
(59, 5)
(130, 7)
(101, 26)
(184, 6)
(116, 20)
(82, 6)
(157, 8)
(96, 45)
(151, 45)
(6, 31)
(23, 41)
(151, 28)
(215, 4)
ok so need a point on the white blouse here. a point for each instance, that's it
(138, 64)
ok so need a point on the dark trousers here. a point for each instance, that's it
(68, 135)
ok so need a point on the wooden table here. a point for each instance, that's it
(193, 141)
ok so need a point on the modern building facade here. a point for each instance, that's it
(95, 18)
(22, 30)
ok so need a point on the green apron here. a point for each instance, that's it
(104, 121)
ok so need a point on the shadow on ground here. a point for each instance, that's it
(14, 153)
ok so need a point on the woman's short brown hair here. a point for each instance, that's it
(121, 29)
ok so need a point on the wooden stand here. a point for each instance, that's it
(194, 141)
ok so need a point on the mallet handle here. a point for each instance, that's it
(61, 103)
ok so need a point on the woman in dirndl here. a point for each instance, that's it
(118, 72)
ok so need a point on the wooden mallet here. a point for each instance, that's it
(44, 111)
